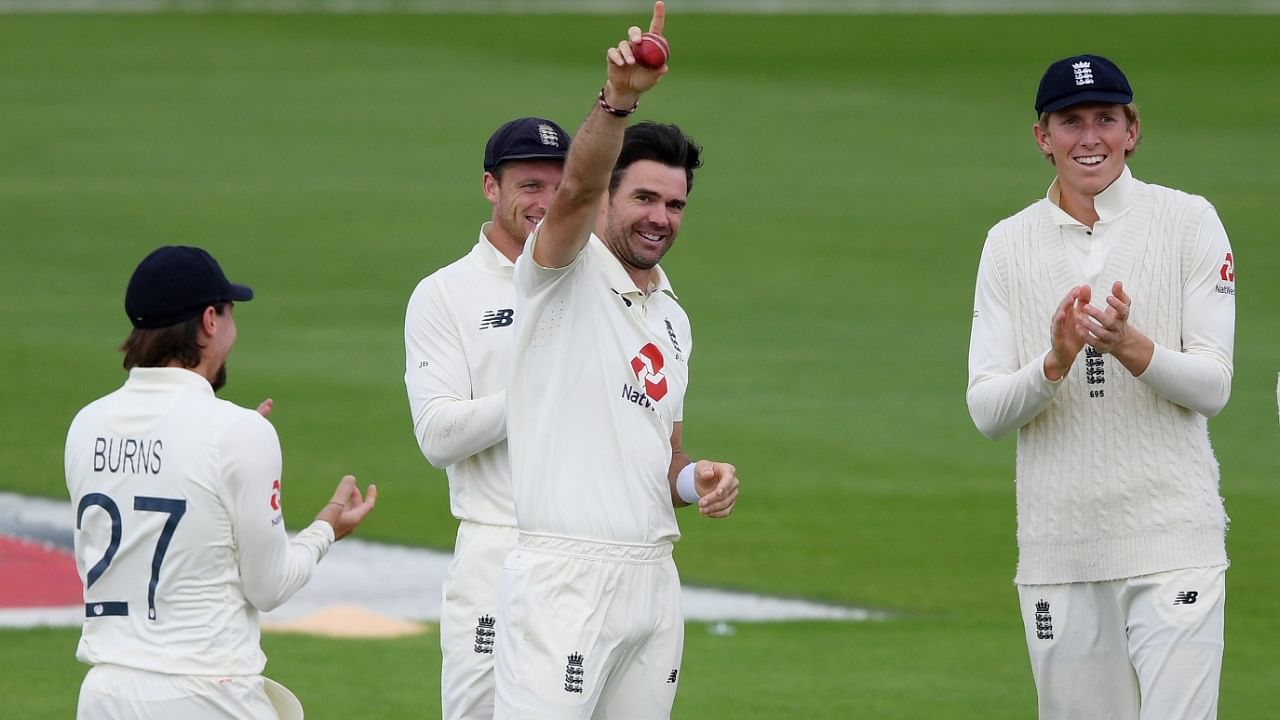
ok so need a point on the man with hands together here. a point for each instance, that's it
(1121, 528)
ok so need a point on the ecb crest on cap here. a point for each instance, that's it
(1084, 74)
(548, 136)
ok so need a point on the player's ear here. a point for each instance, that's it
(491, 188)
(1042, 137)
(209, 320)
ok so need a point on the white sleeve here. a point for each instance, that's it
(1002, 396)
(449, 423)
(1197, 376)
(532, 279)
(272, 567)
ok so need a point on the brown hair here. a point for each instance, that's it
(1130, 116)
(157, 347)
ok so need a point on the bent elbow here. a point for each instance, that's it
(263, 601)
(988, 427)
(986, 422)
(1219, 402)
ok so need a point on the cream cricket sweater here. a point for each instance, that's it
(1113, 480)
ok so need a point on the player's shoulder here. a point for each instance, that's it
(88, 414)
(1173, 196)
(1021, 219)
(242, 424)
(468, 274)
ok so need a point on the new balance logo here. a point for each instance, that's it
(1084, 73)
(497, 318)
(1186, 597)
(671, 679)
(573, 674)
(1044, 621)
(485, 635)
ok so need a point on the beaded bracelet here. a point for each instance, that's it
(616, 112)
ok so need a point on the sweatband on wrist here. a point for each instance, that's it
(685, 486)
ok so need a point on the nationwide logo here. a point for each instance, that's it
(573, 674)
(647, 365)
(275, 495)
(497, 318)
(1228, 274)
(485, 635)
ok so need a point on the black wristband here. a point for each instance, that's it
(616, 112)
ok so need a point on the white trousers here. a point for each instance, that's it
(112, 692)
(588, 630)
(468, 612)
(1143, 648)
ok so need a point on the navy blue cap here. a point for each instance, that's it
(176, 283)
(1079, 79)
(527, 138)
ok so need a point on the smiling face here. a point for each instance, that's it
(1087, 143)
(520, 192)
(644, 213)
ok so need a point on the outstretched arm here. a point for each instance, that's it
(569, 221)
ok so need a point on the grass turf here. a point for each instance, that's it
(827, 262)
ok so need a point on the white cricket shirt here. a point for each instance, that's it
(1004, 394)
(599, 373)
(180, 539)
(458, 332)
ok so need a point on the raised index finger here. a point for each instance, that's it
(659, 17)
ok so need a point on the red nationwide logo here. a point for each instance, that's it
(275, 495)
(648, 368)
(1228, 270)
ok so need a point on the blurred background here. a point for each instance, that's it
(329, 155)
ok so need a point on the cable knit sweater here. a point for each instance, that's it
(1113, 480)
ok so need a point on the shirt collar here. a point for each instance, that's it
(488, 255)
(617, 275)
(171, 377)
(1110, 204)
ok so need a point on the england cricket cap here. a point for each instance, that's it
(176, 283)
(527, 138)
(1079, 79)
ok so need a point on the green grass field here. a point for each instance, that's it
(853, 165)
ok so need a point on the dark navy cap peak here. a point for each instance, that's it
(527, 138)
(1079, 79)
(176, 283)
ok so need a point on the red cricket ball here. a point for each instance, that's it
(652, 51)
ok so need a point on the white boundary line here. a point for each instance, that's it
(391, 580)
(770, 7)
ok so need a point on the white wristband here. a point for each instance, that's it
(684, 485)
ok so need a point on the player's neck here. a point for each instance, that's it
(502, 242)
(1078, 206)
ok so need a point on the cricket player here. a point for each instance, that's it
(589, 621)
(1103, 327)
(180, 541)
(457, 336)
